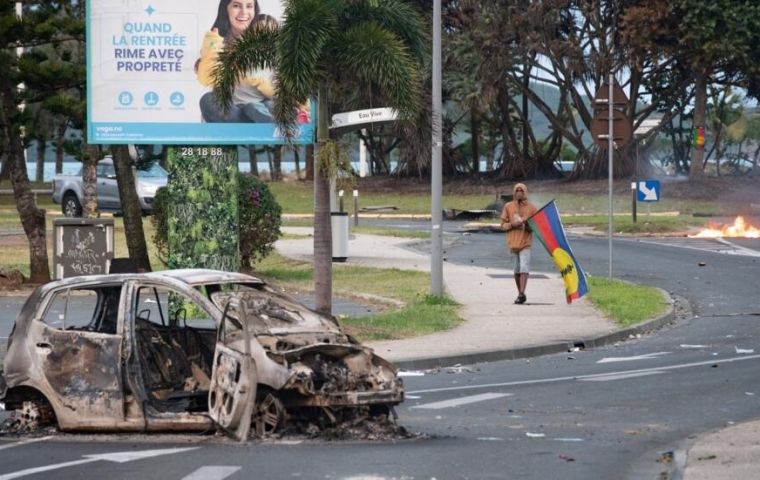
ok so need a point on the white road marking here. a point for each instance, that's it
(619, 376)
(684, 345)
(25, 442)
(117, 457)
(739, 249)
(571, 440)
(535, 435)
(581, 377)
(490, 439)
(646, 356)
(744, 350)
(455, 402)
(212, 472)
(411, 373)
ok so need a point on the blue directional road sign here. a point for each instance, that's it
(648, 191)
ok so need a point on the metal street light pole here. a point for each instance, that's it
(436, 187)
(610, 154)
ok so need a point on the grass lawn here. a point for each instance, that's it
(625, 303)
(421, 314)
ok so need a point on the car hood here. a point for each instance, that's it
(265, 312)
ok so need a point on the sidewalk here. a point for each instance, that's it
(496, 329)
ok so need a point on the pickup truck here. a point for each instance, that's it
(67, 189)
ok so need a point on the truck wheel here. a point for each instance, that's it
(71, 206)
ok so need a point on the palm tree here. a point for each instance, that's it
(323, 46)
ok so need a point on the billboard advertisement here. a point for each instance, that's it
(149, 81)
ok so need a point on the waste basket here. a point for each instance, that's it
(339, 223)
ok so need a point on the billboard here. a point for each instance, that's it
(149, 65)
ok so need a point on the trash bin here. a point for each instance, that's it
(339, 223)
(82, 246)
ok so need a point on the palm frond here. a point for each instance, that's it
(309, 25)
(255, 49)
(397, 16)
(377, 55)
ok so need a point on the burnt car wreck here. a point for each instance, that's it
(184, 350)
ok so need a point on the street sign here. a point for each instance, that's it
(621, 128)
(619, 98)
(648, 191)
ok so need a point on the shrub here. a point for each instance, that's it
(259, 220)
(160, 221)
(260, 217)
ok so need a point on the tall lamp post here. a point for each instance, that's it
(436, 187)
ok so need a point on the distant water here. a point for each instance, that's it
(244, 166)
(73, 167)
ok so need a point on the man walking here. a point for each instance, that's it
(519, 235)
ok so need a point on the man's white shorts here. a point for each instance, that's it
(522, 260)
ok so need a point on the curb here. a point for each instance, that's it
(540, 350)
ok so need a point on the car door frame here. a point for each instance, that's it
(232, 392)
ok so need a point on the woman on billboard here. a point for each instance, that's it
(252, 99)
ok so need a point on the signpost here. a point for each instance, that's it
(644, 127)
(609, 101)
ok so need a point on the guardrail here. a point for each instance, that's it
(35, 191)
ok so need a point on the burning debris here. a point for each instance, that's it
(740, 228)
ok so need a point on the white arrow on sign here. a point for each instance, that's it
(649, 194)
(646, 356)
(117, 457)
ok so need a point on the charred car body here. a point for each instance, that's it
(181, 350)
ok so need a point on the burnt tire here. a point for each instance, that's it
(70, 205)
(268, 416)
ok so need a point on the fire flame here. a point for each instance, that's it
(740, 228)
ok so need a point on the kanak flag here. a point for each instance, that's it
(547, 226)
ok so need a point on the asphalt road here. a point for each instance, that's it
(610, 413)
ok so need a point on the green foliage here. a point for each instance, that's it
(333, 161)
(627, 304)
(160, 221)
(203, 210)
(260, 219)
(413, 320)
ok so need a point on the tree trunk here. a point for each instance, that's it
(253, 160)
(700, 115)
(40, 166)
(271, 163)
(322, 226)
(525, 112)
(60, 137)
(475, 136)
(89, 181)
(297, 159)
(32, 218)
(130, 206)
(277, 174)
(309, 162)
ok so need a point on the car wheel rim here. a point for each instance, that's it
(268, 416)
